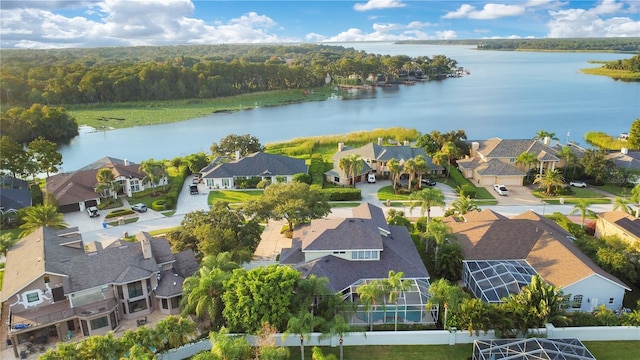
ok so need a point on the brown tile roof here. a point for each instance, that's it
(528, 236)
(628, 223)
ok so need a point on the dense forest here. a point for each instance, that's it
(632, 64)
(622, 45)
(104, 75)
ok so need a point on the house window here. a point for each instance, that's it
(135, 289)
(136, 306)
(135, 185)
(165, 304)
(336, 179)
(99, 323)
(610, 300)
(175, 302)
(577, 302)
(225, 183)
(33, 297)
(46, 279)
(364, 255)
(512, 160)
(338, 252)
(120, 292)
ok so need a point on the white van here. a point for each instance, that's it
(371, 178)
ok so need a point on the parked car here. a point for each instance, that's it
(428, 182)
(140, 207)
(196, 180)
(501, 189)
(193, 189)
(371, 178)
(93, 211)
(580, 184)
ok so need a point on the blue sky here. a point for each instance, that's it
(93, 23)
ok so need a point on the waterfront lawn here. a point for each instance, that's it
(379, 352)
(233, 196)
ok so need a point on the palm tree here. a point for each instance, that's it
(339, 326)
(551, 178)
(447, 295)
(527, 159)
(410, 169)
(462, 205)
(582, 207)
(541, 135)
(6, 242)
(356, 167)
(569, 157)
(106, 186)
(438, 230)
(441, 159)
(369, 295)
(155, 171)
(396, 285)
(302, 325)
(450, 150)
(351, 165)
(393, 165)
(420, 168)
(35, 217)
(427, 198)
(175, 330)
(635, 194)
(475, 315)
(621, 203)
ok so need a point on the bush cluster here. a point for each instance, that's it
(158, 205)
(343, 194)
(118, 213)
(175, 185)
(316, 169)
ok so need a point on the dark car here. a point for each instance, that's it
(428, 182)
(139, 207)
(193, 189)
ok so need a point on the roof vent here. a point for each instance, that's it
(39, 258)
(174, 283)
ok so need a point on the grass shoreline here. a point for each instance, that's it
(143, 113)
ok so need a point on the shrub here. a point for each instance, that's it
(158, 205)
(118, 213)
(263, 184)
(343, 194)
(467, 190)
(316, 169)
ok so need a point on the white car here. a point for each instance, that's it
(139, 207)
(93, 211)
(371, 178)
(501, 189)
(580, 184)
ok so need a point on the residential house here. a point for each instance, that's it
(355, 251)
(501, 255)
(257, 166)
(374, 159)
(76, 191)
(627, 160)
(493, 161)
(14, 195)
(54, 285)
(618, 223)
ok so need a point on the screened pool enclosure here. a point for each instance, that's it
(492, 280)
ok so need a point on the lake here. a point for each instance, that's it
(507, 94)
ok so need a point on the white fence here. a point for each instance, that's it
(427, 337)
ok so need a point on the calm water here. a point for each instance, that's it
(507, 94)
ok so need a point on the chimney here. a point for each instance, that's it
(546, 140)
(126, 162)
(406, 143)
(146, 247)
(624, 150)
(474, 147)
(340, 146)
(380, 141)
(237, 154)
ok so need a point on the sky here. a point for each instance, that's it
(39, 24)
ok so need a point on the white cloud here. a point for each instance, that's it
(378, 4)
(488, 12)
(391, 32)
(592, 22)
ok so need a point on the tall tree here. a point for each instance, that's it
(174, 331)
(462, 206)
(527, 159)
(6, 242)
(475, 315)
(155, 172)
(396, 285)
(339, 326)
(370, 295)
(106, 183)
(296, 202)
(229, 347)
(429, 144)
(421, 168)
(13, 156)
(45, 154)
(550, 179)
(542, 134)
(244, 144)
(438, 230)
(634, 135)
(302, 324)
(35, 217)
(446, 295)
(582, 207)
(410, 169)
(569, 157)
(393, 165)
(202, 295)
(426, 199)
(596, 165)
(352, 166)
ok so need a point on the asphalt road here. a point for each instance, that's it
(519, 200)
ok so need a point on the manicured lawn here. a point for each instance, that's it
(578, 194)
(616, 190)
(613, 350)
(386, 193)
(232, 196)
(410, 352)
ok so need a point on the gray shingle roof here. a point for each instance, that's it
(14, 199)
(170, 284)
(511, 148)
(257, 164)
(631, 160)
(493, 167)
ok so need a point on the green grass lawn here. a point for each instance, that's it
(609, 350)
(233, 197)
(386, 193)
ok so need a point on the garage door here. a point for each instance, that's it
(90, 203)
(69, 208)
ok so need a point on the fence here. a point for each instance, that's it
(428, 337)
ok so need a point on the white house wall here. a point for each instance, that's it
(45, 296)
(596, 291)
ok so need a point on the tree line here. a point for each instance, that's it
(163, 73)
(630, 45)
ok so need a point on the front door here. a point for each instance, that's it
(58, 294)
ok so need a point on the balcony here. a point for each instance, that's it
(49, 314)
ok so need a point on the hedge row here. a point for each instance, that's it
(465, 186)
(118, 213)
(316, 169)
(343, 194)
(175, 185)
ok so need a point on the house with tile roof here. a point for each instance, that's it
(14, 194)
(354, 251)
(618, 223)
(54, 284)
(501, 253)
(493, 161)
(76, 191)
(627, 160)
(257, 166)
(374, 159)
